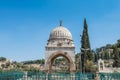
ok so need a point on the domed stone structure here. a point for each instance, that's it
(60, 43)
(60, 32)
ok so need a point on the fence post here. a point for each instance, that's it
(97, 76)
(25, 76)
(47, 74)
(72, 76)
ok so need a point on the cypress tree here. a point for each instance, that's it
(87, 54)
(85, 43)
(85, 38)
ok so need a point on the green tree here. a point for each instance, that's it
(85, 43)
(106, 54)
(2, 59)
(85, 38)
(3, 66)
(43, 61)
(87, 54)
(116, 57)
(96, 57)
(77, 61)
(108, 46)
(90, 66)
(118, 43)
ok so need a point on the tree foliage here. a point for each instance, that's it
(85, 38)
(2, 59)
(41, 61)
(110, 51)
(90, 66)
(85, 43)
(116, 57)
(87, 53)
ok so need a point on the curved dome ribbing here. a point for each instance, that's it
(60, 32)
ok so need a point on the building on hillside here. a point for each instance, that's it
(6, 64)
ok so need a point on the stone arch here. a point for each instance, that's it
(48, 65)
(101, 65)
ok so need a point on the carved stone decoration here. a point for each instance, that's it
(51, 59)
(60, 36)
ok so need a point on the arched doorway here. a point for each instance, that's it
(60, 64)
(48, 65)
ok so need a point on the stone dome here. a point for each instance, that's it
(60, 32)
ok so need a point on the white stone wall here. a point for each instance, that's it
(68, 51)
(60, 40)
(67, 45)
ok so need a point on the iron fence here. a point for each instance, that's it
(109, 76)
(57, 76)
(11, 75)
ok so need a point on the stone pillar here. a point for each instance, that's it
(101, 65)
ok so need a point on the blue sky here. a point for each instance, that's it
(25, 25)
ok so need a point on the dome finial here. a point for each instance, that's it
(60, 23)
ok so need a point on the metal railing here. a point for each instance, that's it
(109, 76)
(57, 76)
